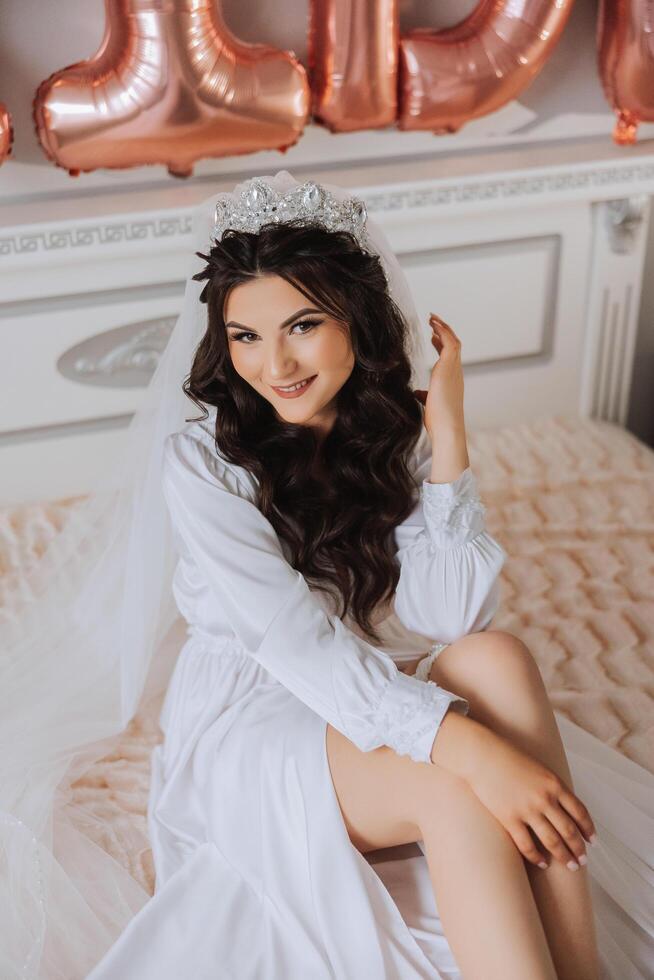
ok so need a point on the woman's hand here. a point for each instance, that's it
(526, 796)
(444, 400)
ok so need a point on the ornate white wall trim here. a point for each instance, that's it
(83, 236)
(166, 228)
(614, 288)
(595, 181)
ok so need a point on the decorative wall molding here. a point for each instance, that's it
(624, 217)
(611, 381)
(614, 288)
(70, 236)
(125, 357)
(513, 186)
(64, 430)
(508, 250)
(593, 182)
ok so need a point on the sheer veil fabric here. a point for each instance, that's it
(93, 632)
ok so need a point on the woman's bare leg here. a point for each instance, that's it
(484, 899)
(482, 891)
(496, 672)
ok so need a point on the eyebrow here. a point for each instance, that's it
(302, 312)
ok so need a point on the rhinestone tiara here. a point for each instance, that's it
(259, 203)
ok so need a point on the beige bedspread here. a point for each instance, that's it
(572, 503)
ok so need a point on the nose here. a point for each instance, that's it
(281, 364)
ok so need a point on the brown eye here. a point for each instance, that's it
(308, 323)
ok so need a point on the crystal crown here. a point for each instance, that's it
(259, 203)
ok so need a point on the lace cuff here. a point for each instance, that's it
(409, 717)
(453, 511)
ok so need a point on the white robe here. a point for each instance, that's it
(256, 878)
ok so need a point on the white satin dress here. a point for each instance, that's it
(256, 878)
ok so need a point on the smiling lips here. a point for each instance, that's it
(294, 390)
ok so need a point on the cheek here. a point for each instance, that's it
(245, 360)
(333, 351)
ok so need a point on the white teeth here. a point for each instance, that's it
(302, 384)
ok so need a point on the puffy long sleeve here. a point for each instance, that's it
(353, 685)
(449, 563)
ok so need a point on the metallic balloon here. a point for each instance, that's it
(625, 54)
(6, 133)
(352, 58)
(170, 85)
(450, 76)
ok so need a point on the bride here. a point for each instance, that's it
(305, 726)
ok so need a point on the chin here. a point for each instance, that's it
(297, 417)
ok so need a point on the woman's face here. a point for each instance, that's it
(278, 337)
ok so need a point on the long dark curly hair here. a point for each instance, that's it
(338, 534)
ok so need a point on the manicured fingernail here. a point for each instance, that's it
(573, 865)
(583, 859)
(594, 839)
(543, 865)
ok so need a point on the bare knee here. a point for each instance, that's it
(496, 648)
(487, 661)
(508, 652)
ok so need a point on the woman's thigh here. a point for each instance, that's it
(385, 797)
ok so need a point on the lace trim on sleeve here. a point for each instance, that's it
(453, 511)
(409, 716)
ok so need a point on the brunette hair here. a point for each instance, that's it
(339, 535)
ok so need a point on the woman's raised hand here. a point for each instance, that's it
(522, 794)
(444, 400)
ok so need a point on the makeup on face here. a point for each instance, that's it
(294, 388)
(277, 342)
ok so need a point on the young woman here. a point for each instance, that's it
(305, 469)
(316, 531)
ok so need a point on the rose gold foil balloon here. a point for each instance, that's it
(625, 42)
(450, 76)
(6, 133)
(352, 60)
(170, 85)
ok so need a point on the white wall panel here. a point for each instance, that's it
(35, 393)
